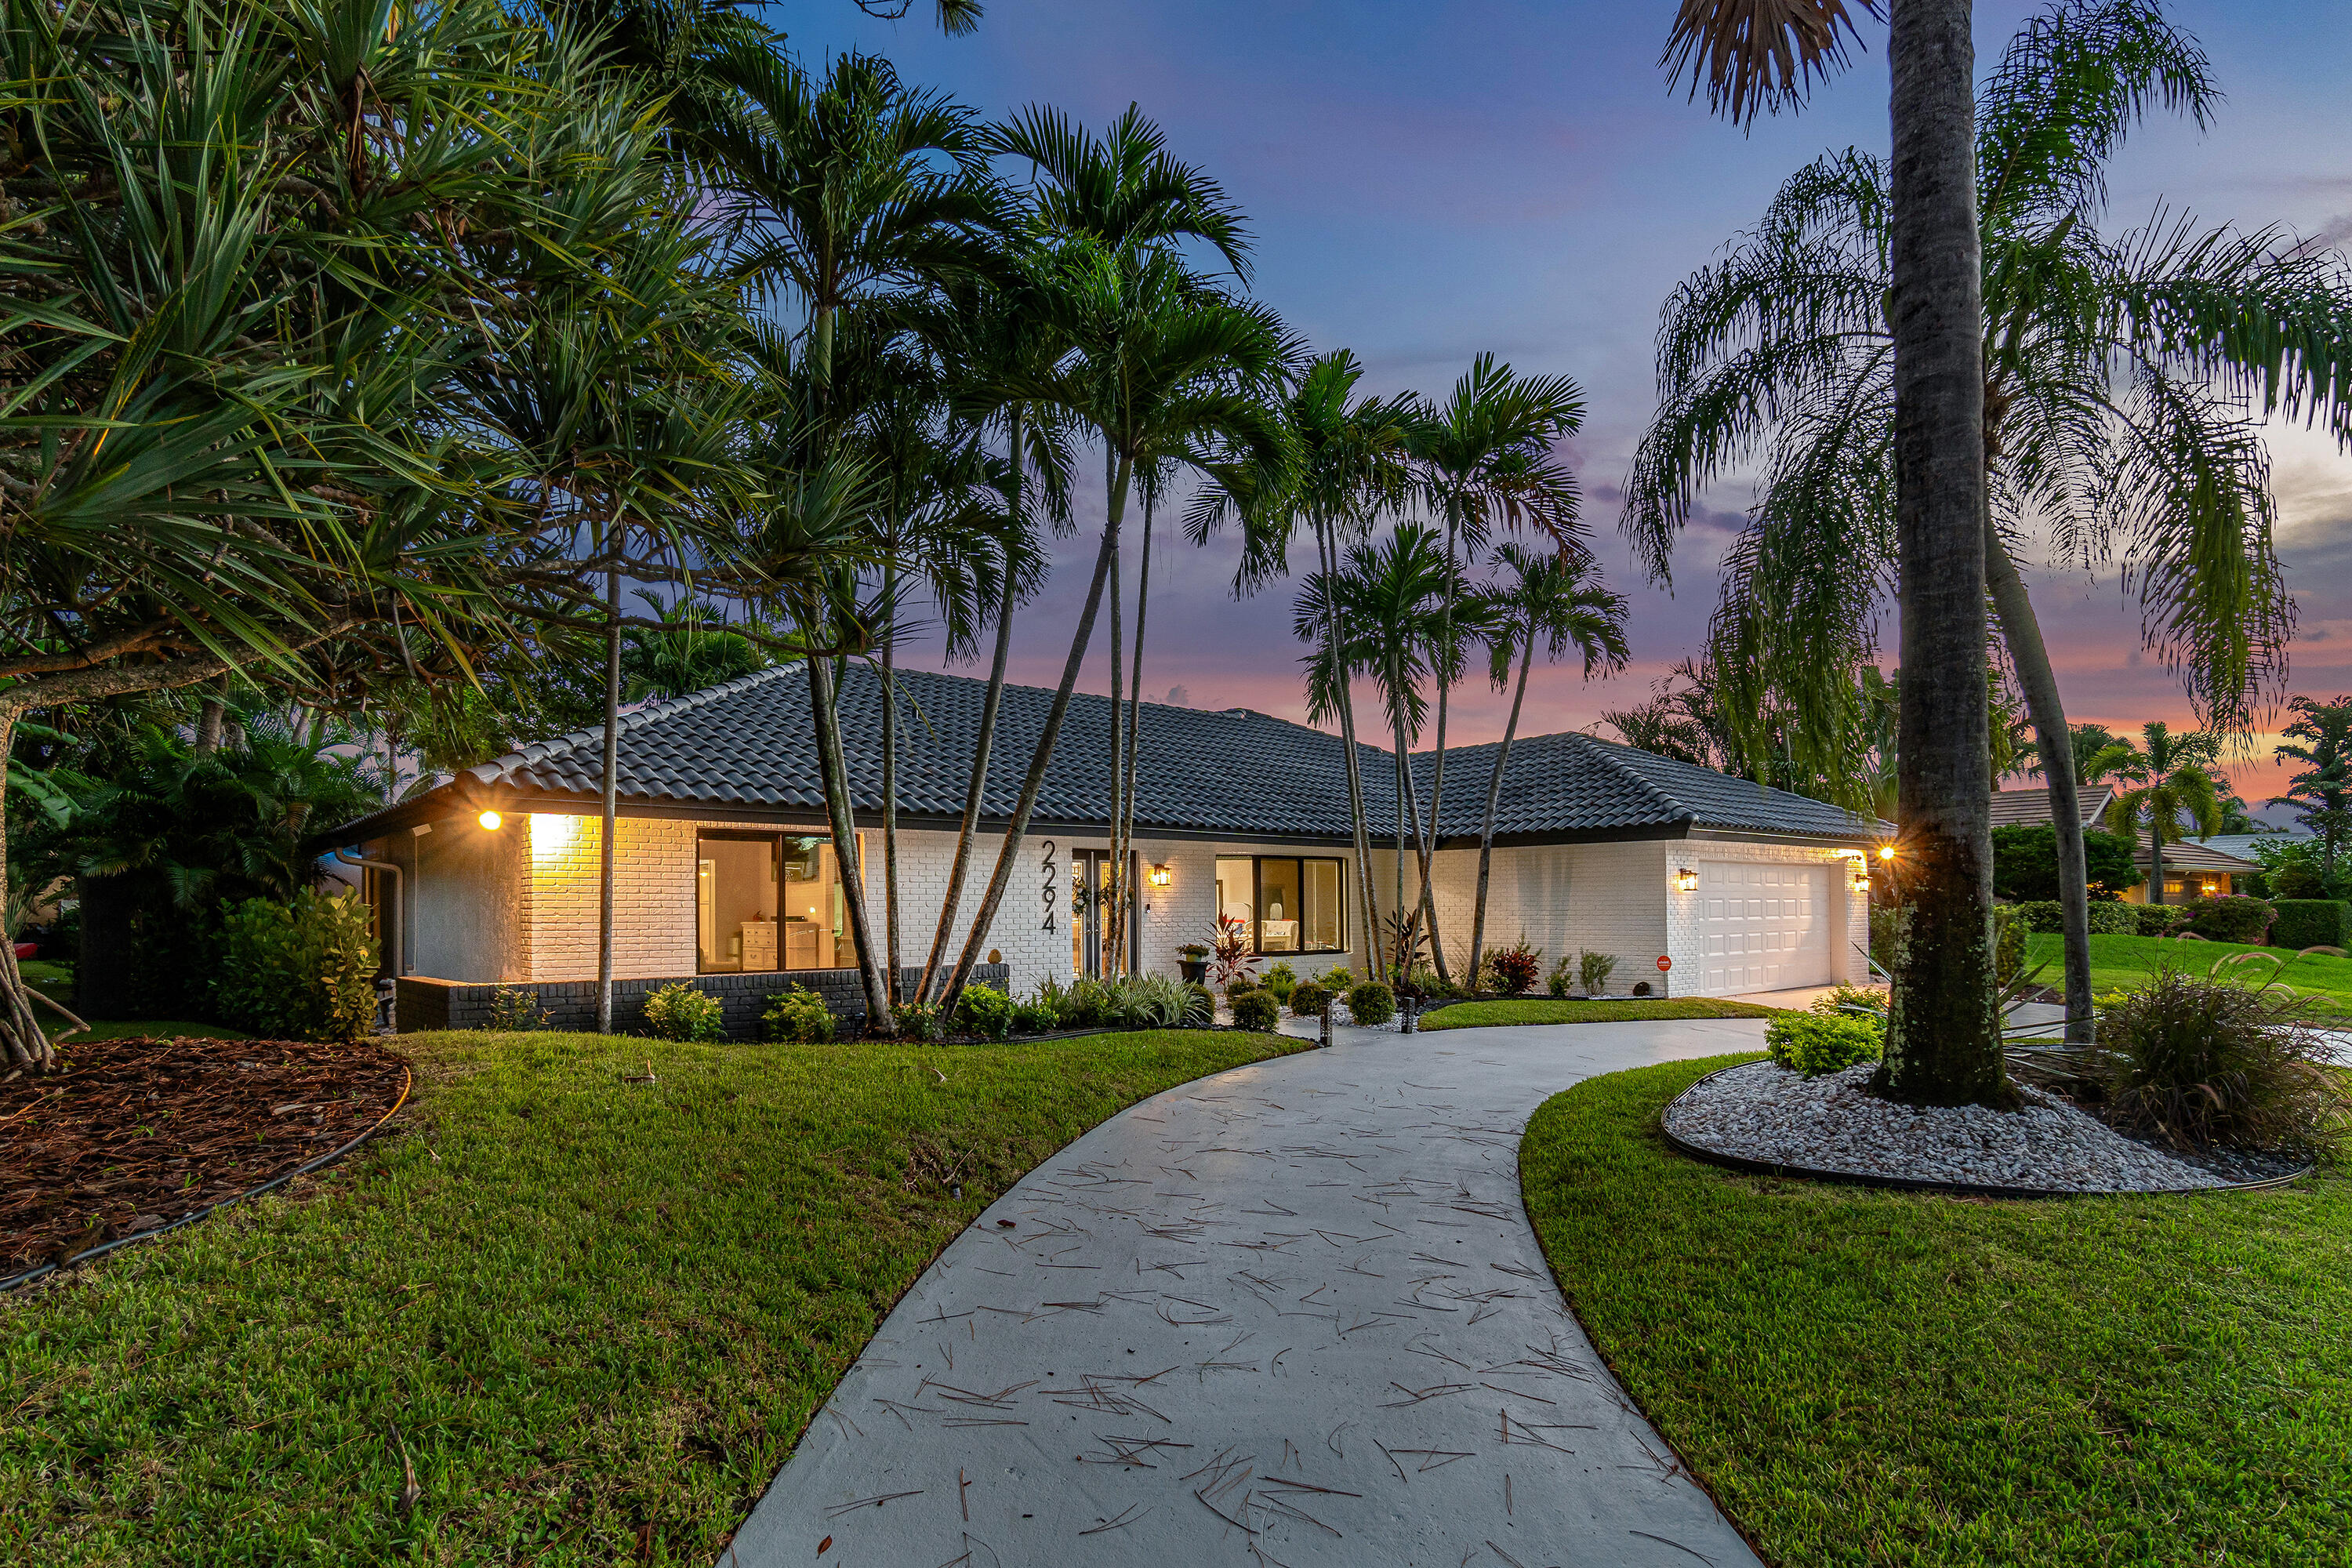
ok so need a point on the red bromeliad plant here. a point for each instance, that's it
(1514, 970)
(1229, 953)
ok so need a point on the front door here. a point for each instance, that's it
(1093, 893)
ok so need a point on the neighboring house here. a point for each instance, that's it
(725, 873)
(2193, 869)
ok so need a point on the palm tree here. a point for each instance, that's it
(2321, 739)
(1552, 597)
(1386, 613)
(2171, 786)
(1485, 457)
(1351, 465)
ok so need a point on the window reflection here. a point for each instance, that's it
(1290, 904)
(769, 901)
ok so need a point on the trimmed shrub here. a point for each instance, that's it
(985, 1011)
(680, 1012)
(2198, 1062)
(2296, 884)
(1372, 1004)
(916, 1020)
(2311, 923)
(2155, 919)
(1307, 1000)
(1514, 970)
(300, 971)
(2043, 915)
(515, 1010)
(797, 1016)
(1281, 980)
(1816, 1043)
(2234, 919)
(2107, 917)
(1255, 1010)
(2115, 920)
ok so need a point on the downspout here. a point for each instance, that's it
(399, 906)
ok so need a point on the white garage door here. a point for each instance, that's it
(1762, 927)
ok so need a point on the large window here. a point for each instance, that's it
(1290, 904)
(768, 901)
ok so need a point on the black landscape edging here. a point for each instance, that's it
(1909, 1184)
(408, 1081)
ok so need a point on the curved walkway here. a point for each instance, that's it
(1290, 1314)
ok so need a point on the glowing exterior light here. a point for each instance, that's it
(491, 821)
(1886, 852)
(1686, 879)
(1160, 877)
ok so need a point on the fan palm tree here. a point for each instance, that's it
(1554, 598)
(2321, 739)
(2122, 384)
(1485, 457)
(2169, 784)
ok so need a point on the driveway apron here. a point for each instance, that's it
(1292, 1314)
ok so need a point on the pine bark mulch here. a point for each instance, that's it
(131, 1134)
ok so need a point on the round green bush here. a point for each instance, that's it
(680, 1012)
(1257, 1010)
(1372, 1004)
(797, 1016)
(1813, 1044)
(302, 971)
(985, 1011)
(1307, 1000)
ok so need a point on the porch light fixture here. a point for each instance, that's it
(1686, 879)
(1886, 852)
(1862, 876)
(491, 821)
(1159, 874)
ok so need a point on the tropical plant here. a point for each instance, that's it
(2122, 386)
(682, 1011)
(1486, 460)
(1593, 970)
(691, 650)
(1513, 971)
(1554, 597)
(985, 1012)
(2321, 739)
(2202, 1061)
(304, 969)
(796, 1015)
(1813, 1044)
(2169, 783)
(516, 1010)
(1228, 955)
(2025, 863)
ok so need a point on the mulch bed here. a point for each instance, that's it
(131, 1134)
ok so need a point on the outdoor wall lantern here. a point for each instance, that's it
(1886, 852)
(1159, 874)
(1686, 879)
(491, 821)
(1862, 876)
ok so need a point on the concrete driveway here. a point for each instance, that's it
(1293, 1314)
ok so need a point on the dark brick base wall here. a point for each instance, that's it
(428, 1004)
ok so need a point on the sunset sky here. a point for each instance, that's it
(1429, 180)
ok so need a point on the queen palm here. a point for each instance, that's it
(2169, 785)
(1486, 457)
(1552, 597)
(1763, 57)
(2123, 384)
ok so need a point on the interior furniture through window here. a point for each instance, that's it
(769, 901)
(1290, 903)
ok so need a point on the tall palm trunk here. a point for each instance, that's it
(977, 789)
(1942, 1043)
(1429, 840)
(1125, 846)
(1494, 799)
(26, 1045)
(825, 713)
(1360, 828)
(1033, 785)
(611, 811)
(2022, 632)
(2155, 855)
(1113, 906)
(891, 776)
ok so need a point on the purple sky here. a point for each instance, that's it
(1430, 180)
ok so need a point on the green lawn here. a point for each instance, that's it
(596, 1313)
(1543, 1010)
(1870, 1377)
(2125, 963)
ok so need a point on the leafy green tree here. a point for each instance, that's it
(2025, 862)
(2124, 381)
(2169, 784)
(2321, 739)
(1554, 598)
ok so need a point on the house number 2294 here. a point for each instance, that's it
(1053, 887)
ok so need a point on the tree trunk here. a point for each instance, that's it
(611, 803)
(891, 776)
(1944, 1041)
(976, 790)
(825, 711)
(1494, 799)
(1366, 895)
(1429, 840)
(1131, 903)
(2154, 856)
(209, 715)
(23, 1043)
(2022, 632)
(1034, 783)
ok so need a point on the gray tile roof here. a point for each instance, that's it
(749, 745)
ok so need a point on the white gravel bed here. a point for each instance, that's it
(1762, 1111)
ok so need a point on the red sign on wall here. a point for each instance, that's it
(1665, 964)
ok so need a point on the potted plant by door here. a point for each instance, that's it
(1193, 961)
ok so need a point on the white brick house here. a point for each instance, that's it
(724, 871)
